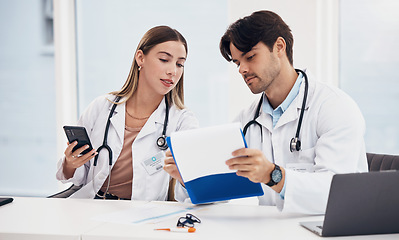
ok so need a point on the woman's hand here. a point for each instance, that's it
(74, 160)
(171, 168)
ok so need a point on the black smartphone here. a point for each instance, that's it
(79, 134)
(4, 201)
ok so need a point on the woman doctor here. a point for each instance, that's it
(151, 106)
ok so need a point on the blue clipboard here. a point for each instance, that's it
(218, 187)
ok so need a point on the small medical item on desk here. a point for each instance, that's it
(184, 224)
(178, 229)
(188, 221)
(206, 176)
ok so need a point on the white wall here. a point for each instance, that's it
(27, 106)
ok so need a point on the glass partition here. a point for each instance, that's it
(369, 33)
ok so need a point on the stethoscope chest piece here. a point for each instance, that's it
(295, 144)
(161, 143)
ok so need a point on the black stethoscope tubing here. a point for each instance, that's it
(161, 141)
(295, 143)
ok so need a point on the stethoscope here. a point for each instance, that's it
(295, 143)
(161, 141)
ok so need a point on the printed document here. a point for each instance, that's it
(204, 151)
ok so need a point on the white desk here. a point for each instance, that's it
(45, 218)
(41, 218)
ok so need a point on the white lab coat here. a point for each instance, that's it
(144, 186)
(332, 137)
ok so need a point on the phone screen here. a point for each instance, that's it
(79, 134)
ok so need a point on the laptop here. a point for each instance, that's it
(360, 204)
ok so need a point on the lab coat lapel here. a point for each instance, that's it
(294, 110)
(118, 120)
(265, 120)
(292, 113)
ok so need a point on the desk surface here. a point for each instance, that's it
(44, 218)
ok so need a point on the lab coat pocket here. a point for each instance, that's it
(307, 155)
(305, 161)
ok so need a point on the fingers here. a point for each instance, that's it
(73, 154)
(79, 161)
(246, 152)
(251, 175)
(169, 160)
(80, 150)
(250, 163)
(168, 153)
(74, 159)
(245, 156)
(68, 150)
(242, 166)
(244, 160)
(171, 168)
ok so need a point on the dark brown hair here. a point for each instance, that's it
(261, 26)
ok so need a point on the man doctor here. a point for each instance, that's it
(331, 135)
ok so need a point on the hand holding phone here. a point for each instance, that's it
(79, 134)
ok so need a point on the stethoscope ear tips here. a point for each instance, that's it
(295, 144)
(161, 143)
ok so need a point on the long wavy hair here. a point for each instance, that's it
(151, 38)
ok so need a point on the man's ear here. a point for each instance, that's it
(139, 57)
(280, 46)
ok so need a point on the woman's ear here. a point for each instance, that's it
(139, 57)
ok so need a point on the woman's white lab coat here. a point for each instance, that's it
(332, 136)
(144, 186)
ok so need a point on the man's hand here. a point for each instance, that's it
(252, 164)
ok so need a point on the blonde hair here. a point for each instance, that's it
(151, 38)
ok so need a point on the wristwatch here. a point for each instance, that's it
(275, 176)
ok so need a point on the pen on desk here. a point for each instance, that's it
(178, 229)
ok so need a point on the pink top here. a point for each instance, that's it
(122, 171)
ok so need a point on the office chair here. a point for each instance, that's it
(381, 162)
(66, 193)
